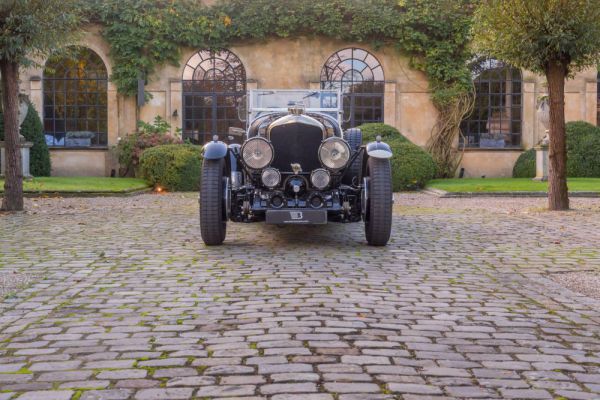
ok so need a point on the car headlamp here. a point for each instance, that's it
(334, 153)
(270, 177)
(320, 178)
(257, 153)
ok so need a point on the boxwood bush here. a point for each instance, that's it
(525, 165)
(32, 130)
(387, 132)
(583, 153)
(583, 150)
(175, 167)
(412, 167)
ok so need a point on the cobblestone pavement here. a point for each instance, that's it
(128, 304)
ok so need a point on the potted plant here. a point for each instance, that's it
(79, 138)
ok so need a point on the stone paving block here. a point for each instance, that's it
(161, 394)
(47, 395)
(226, 390)
(110, 394)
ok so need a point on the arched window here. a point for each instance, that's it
(75, 100)
(359, 75)
(497, 116)
(212, 84)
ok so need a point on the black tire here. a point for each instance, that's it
(213, 223)
(354, 138)
(378, 218)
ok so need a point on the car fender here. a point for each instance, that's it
(214, 150)
(379, 149)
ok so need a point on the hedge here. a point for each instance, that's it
(583, 150)
(175, 167)
(387, 132)
(583, 153)
(33, 131)
(525, 165)
(412, 167)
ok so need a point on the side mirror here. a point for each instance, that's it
(241, 108)
(233, 131)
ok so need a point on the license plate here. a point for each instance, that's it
(309, 217)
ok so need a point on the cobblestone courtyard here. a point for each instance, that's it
(120, 300)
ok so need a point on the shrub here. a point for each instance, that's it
(32, 130)
(387, 132)
(583, 150)
(525, 165)
(130, 148)
(175, 167)
(412, 167)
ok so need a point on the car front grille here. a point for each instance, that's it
(296, 143)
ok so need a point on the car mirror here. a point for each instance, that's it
(233, 131)
(241, 108)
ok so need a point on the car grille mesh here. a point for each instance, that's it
(296, 143)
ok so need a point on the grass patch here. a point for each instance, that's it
(483, 185)
(81, 184)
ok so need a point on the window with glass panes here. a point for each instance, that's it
(496, 119)
(213, 84)
(359, 75)
(75, 100)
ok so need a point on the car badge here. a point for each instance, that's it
(296, 168)
(296, 215)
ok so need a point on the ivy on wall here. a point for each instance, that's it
(144, 34)
(435, 35)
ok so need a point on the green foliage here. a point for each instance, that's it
(533, 34)
(583, 150)
(32, 130)
(412, 167)
(130, 148)
(175, 167)
(387, 132)
(525, 165)
(31, 29)
(144, 34)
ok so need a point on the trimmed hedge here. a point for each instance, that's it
(583, 153)
(525, 165)
(175, 167)
(387, 132)
(33, 131)
(583, 150)
(412, 167)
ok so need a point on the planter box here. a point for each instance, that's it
(77, 142)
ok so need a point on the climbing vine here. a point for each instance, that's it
(435, 35)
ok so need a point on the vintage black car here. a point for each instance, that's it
(296, 166)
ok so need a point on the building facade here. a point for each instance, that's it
(84, 116)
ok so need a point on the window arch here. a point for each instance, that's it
(359, 75)
(496, 119)
(75, 99)
(212, 84)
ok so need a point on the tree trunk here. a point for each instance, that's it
(558, 195)
(13, 181)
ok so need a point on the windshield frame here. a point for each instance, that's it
(254, 112)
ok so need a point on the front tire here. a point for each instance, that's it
(213, 223)
(378, 218)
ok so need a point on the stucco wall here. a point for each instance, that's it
(297, 63)
(80, 162)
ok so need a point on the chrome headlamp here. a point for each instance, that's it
(270, 177)
(334, 153)
(320, 178)
(257, 153)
